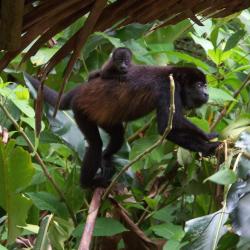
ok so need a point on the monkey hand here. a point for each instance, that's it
(211, 148)
(212, 135)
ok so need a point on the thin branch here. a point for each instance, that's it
(90, 222)
(143, 129)
(39, 160)
(155, 145)
(225, 109)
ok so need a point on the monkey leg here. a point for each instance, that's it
(116, 133)
(93, 155)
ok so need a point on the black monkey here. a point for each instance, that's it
(116, 67)
(106, 104)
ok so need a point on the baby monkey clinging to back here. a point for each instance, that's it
(116, 67)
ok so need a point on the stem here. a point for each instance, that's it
(143, 129)
(39, 160)
(152, 147)
(225, 109)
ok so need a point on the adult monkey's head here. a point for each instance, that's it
(193, 87)
(121, 59)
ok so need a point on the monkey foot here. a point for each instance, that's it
(103, 179)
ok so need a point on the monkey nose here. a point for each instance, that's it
(123, 68)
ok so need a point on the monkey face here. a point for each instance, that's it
(122, 59)
(196, 94)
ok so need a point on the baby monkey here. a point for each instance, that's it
(116, 67)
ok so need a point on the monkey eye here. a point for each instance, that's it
(201, 84)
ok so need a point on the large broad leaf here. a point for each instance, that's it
(165, 214)
(43, 56)
(132, 31)
(219, 96)
(223, 177)
(19, 95)
(47, 201)
(103, 227)
(191, 59)
(63, 125)
(206, 44)
(168, 34)
(59, 231)
(204, 232)
(42, 241)
(235, 128)
(16, 172)
(234, 39)
(169, 231)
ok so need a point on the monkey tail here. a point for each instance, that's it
(50, 95)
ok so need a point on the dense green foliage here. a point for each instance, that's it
(174, 196)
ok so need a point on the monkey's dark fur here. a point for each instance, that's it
(106, 104)
(116, 67)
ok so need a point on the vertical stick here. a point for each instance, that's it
(90, 223)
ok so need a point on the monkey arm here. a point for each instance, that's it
(94, 74)
(189, 141)
(184, 133)
(182, 123)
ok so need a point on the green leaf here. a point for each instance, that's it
(184, 157)
(108, 227)
(16, 172)
(47, 201)
(3, 248)
(152, 202)
(206, 44)
(24, 107)
(165, 214)
(43, 55)
(31, 122)
(140, 53)
(235, 128)
(172, 245)
(191, 59)
(234, 39)
(42, 242)
(22, 93)
(132, 31)
(214, 36)
(103, 227)
(169, 231)
(34, 229)
(223, 177)
(59, 231)
(170, 33)
(201, 123)
(116, 42)
(219, 96)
